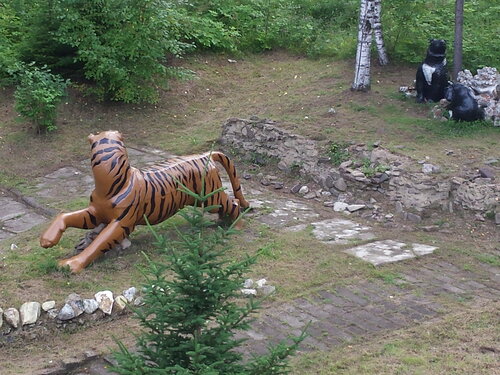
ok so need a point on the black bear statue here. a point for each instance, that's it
(463, 105)
(432, 75)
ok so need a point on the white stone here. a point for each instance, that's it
(249, 292)
(340, 206)
(355, 207)
(125, 244)
(105, 300)
(30, 312)
(48, 305)
(387, 251)
(340, 231)
(260, 283)
(11, 316)
(120, 303)
(303, 190)
(90, 305)
(1, 317)
(130, 293)
(248, 283)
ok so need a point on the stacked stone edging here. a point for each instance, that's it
(36, 316)
(411, 186)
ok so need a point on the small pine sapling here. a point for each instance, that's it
(193, 308)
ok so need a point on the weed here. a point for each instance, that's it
(338, 152)
(490, 259)
(387, 277)
(370, 169)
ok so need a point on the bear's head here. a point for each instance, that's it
(437, 47)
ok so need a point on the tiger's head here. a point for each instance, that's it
(109, 134)
(108, 150)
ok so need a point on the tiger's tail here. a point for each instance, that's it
(231, 171)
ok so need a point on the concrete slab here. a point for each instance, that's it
(283, 212)
(9, 208)
(23, 223)
(387, 251)
(341, 231)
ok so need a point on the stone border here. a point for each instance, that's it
(414, 187)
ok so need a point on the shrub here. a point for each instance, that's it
(192, 308)
(38, 94)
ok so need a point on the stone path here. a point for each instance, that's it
(336, 316)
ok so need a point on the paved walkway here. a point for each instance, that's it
(336, 316)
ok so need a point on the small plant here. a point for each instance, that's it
(371, 170)
(338, 153)
(38, 94)
(193, 308)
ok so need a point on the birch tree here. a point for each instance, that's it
(457, 44)
(369, 24)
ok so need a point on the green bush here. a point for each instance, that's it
(38, 94)
(193, 308)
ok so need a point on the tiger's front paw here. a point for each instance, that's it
(74, 265)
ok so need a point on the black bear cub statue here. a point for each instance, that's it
(463, 105)
(432, 75)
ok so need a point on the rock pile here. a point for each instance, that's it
(414, 187)
(485, 86)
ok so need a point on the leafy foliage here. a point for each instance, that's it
(38, 94)
(190, 318)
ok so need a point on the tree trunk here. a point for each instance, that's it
(365, 31)
(457, 44)
(377, 31)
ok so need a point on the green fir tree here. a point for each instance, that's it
(193, 308)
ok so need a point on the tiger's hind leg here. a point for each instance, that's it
(111, 235)
(229, 207)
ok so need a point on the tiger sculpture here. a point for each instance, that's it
(124, 196)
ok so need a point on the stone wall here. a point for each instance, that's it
(413, 186)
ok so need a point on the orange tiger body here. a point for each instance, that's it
(124, 196)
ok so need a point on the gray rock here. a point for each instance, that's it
(266, 290)
(295, 189)
(428, 168)
(497, 218)
(66, 313)
(310, 195)
(90, 305)
(48, 305)
(328, 204)
(129, 294)
(30, 312)
(279, 185)
(340, 184)
(52, 313)
(1, 317)
(345, 164)
(303, 190)
(105, 300)
(328, 182)
(486, 172)
(139, 301)
(413, 217)
(248, 284)
(11, 316)
(76, 303)
(340, 206)
(355, 207)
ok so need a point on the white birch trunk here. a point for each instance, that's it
(377, 31)
(362, 68)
